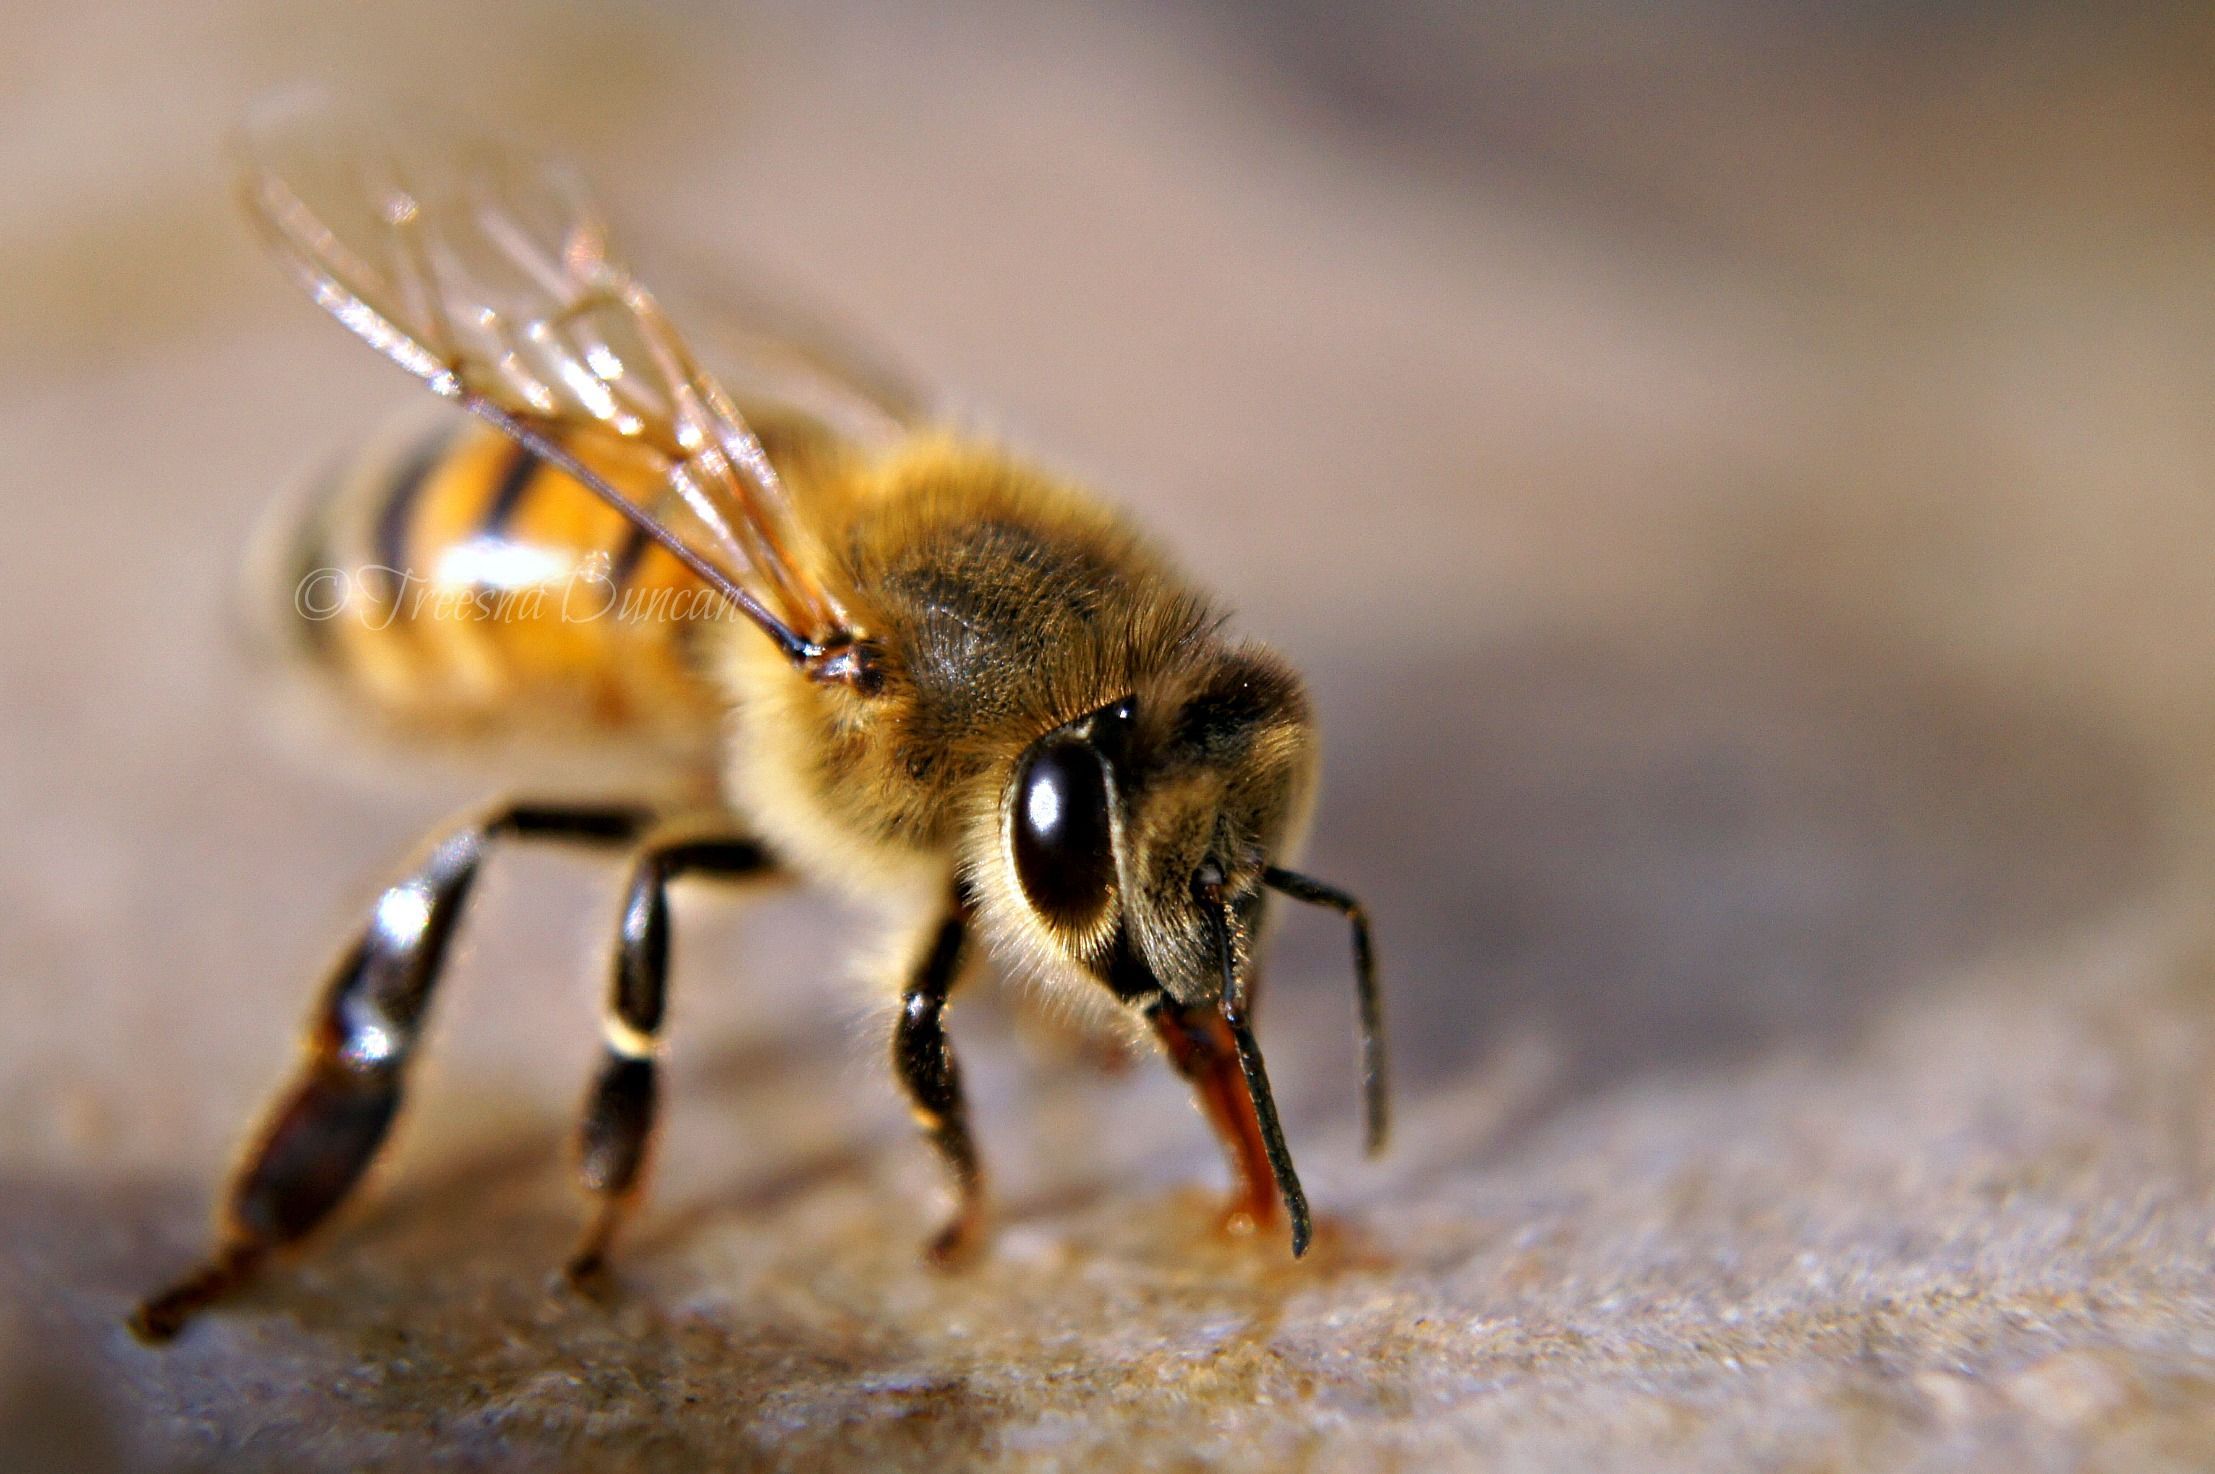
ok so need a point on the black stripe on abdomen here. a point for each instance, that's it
(389, 543)
(632, 552)
(515, 484)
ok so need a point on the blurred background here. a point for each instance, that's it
(1739, 482)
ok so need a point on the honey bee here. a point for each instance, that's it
(898, 658)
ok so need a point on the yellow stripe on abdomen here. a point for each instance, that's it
(452, 581)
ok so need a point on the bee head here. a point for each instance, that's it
(1144, 837)
(1134, 829)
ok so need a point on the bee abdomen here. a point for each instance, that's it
(445, 578)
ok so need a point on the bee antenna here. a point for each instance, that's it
(1376, 1103)
(1257, 1078)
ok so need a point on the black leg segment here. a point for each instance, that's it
(615, 1137)
(924, 1060)
(329, 1123)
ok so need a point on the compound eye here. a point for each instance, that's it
(1064, 853)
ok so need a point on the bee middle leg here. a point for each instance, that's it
(924, 1060)
(1201, 1048)
(615, 1137)
(331, 1120)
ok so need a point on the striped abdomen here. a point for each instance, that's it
(452, 582)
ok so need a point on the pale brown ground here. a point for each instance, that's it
(1745, 495)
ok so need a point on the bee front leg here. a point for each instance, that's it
(924, 1061)
(615, 1138)
(1200, 1046)
(331, 1120)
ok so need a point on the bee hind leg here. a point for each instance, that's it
(923, 1058)
(333, 1117)
(615, 1136)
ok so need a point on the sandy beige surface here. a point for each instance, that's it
(1742, 492)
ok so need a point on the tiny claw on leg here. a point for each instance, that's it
(960, 1241)
(159, 1318)
(586, 1271)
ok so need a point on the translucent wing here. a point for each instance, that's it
(489, 276)
(766, 347)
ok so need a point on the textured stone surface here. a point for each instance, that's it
(1767, 672)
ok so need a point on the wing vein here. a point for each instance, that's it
(488, 275)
